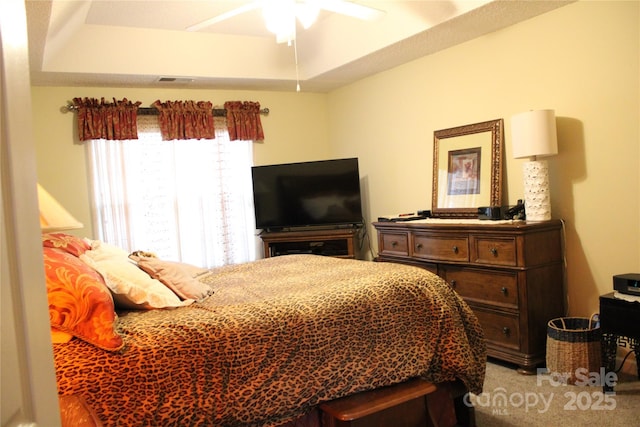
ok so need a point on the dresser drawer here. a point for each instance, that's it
(500, 329)
(495, 250)
(440, 247)
(495, 288)
(394, 243)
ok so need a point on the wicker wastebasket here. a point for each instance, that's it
(573, 343)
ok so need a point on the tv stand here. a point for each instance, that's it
(335, 242)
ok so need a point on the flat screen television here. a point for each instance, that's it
(307, 194)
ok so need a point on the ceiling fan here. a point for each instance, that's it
(280, 15)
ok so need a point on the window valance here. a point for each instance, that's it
(117, 120)
(106, 120)
(243, 121)
(185, 119)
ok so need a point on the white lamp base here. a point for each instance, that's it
(537, 200)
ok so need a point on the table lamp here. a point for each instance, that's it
(533, 135)
(53, 217)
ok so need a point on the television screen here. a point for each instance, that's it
(307, 194)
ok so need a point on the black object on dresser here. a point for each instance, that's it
(619, 320)
(510, 274)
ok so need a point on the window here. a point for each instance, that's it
(188, 201)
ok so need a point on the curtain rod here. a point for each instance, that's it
(149, 111)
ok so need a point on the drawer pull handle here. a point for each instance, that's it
(494, 251)
(505, 331)
(419, 246)
(394, 244)
(455, 249)
(453, 283)
(503, 290)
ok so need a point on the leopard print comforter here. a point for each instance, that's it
(277, 337)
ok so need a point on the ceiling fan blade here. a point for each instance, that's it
(224, 16)
(351, 9)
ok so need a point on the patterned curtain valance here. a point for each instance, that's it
(185, 119)
(105, 120)
(243, 121)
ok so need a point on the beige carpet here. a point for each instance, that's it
(511, 399)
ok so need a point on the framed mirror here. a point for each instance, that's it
(467, 169)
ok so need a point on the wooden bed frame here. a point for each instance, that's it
(415, 403)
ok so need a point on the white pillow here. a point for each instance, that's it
(131, 287)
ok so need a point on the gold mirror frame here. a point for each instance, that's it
(467, 169)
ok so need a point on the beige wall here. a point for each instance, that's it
(581, 60)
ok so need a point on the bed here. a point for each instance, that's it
(263, 344)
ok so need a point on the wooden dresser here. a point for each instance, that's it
(510, 274)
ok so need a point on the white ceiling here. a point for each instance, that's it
(134, 43)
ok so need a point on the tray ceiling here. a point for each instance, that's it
(138, 43)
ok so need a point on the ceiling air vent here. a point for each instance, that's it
(174, 80)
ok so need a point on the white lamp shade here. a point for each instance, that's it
(534, 134)
(53, 217)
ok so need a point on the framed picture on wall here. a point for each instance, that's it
(467, 169)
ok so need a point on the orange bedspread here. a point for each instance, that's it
(277, 337)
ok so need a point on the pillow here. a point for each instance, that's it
(68, 243)
(80, 303)
(179, 277)
(101, 251)
(132, 288)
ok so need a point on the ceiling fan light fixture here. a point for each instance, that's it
(279, 17)
(286, 37)
(307, 13)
